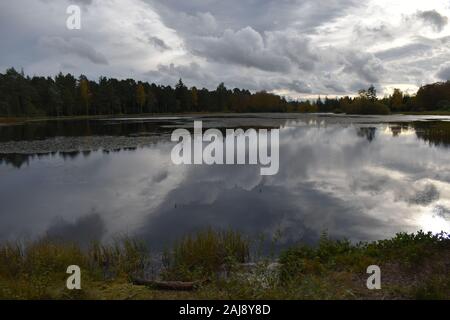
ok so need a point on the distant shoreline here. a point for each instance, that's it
(21, 120)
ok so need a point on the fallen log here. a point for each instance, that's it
(167, 285)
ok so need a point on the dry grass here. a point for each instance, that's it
(204, 254)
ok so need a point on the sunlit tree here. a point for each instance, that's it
(194, 97)
(396, 100)
(141, 97)
(85, 93)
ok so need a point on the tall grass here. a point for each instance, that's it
(126, 256)
(205, 253)
(38, 269)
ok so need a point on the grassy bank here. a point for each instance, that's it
(413, 266)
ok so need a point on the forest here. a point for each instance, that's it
(66, 95)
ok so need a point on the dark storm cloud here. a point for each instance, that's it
(297, 48)
(81, 2)
(76, 46)
(158, 43)
(426, 196)
(299, 86)
(193, 74)
(433, 18)
(403, 51)
(87, 2)
(378, 32)
(261, 15)
(444, 72)
(244, 47)
(368, 67)
(335, 86)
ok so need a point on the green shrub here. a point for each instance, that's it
(408, 250)
(365, 106)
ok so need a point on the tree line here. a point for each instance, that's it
(65, 95)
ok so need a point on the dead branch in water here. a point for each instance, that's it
(168, 285)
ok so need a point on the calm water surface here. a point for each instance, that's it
(362, 178)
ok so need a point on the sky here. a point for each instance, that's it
(295, 48)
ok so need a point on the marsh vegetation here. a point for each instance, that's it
(414, 266)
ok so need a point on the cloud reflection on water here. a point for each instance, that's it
(360, 183)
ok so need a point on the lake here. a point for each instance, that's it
(355, 177)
